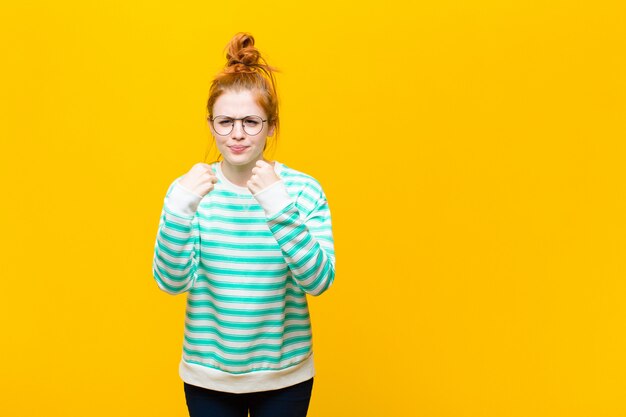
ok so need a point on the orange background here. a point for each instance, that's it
(472, 153)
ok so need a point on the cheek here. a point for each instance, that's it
(257, 142)
(221, 143)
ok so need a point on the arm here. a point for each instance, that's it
(307, 243)
(176, 250)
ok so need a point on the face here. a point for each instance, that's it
(238, 147)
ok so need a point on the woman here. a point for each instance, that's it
(247, 239)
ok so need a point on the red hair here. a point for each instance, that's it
(246, 69)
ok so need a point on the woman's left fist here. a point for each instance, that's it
(263, 175)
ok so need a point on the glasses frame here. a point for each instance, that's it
(212, 120)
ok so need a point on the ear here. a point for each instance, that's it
(270, 131)
(208, 122)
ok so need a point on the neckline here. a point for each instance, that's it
(242, 190)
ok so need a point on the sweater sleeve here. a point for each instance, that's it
(176, 250)
(305, 238)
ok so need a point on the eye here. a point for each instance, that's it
(224, 122)
(251, 122)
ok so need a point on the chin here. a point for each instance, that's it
(235, 161)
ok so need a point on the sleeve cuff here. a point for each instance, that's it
(273, 198)
(182, 200)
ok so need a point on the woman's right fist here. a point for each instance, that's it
(200, 179)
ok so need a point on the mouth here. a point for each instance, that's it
(238, 149)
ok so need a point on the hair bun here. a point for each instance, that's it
(242, 56)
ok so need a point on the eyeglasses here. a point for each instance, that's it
(223, 125)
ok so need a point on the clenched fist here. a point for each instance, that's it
(263, 175)
(200, 179)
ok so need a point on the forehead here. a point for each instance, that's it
(237, 104)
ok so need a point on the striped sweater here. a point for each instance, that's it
(246, 263)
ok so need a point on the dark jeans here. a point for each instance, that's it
(291, 401)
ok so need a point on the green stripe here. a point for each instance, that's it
(257, 299)
(168, 211)
(260, 220)
(288, 219)
(308, 198)
(241, 337)
(270, 286)
(169, 287)
(261, 312)
(286, 211)
(266, 260)
(247, 362)
(325, 271)
(192, 317)
(247, 312)
(292, 236)
(240, 246)
(298, 248)
(170, 277)
(277, 225)
(177, 227)
(307, 257)
(211, 269)
(171, 265)
(183, 254)
(235, 233)
(313, 285)
(175, 240)
(315, 269)
(250, 350)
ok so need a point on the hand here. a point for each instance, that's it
(200, 179)
(263, 175)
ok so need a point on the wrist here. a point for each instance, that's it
(273, 198)
(182, 200)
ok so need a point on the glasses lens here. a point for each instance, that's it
(223, 125)
(252, 125)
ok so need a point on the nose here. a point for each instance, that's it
(238, 132)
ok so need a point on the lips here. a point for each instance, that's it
(238, 149)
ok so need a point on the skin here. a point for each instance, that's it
(247, 169)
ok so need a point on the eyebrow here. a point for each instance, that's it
(237, 118)
(226, 115)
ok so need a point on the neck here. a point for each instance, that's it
(239, 174)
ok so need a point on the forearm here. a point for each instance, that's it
(307, 246)
(176, 246)
(310, 263)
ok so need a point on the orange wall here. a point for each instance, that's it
(473, 157)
